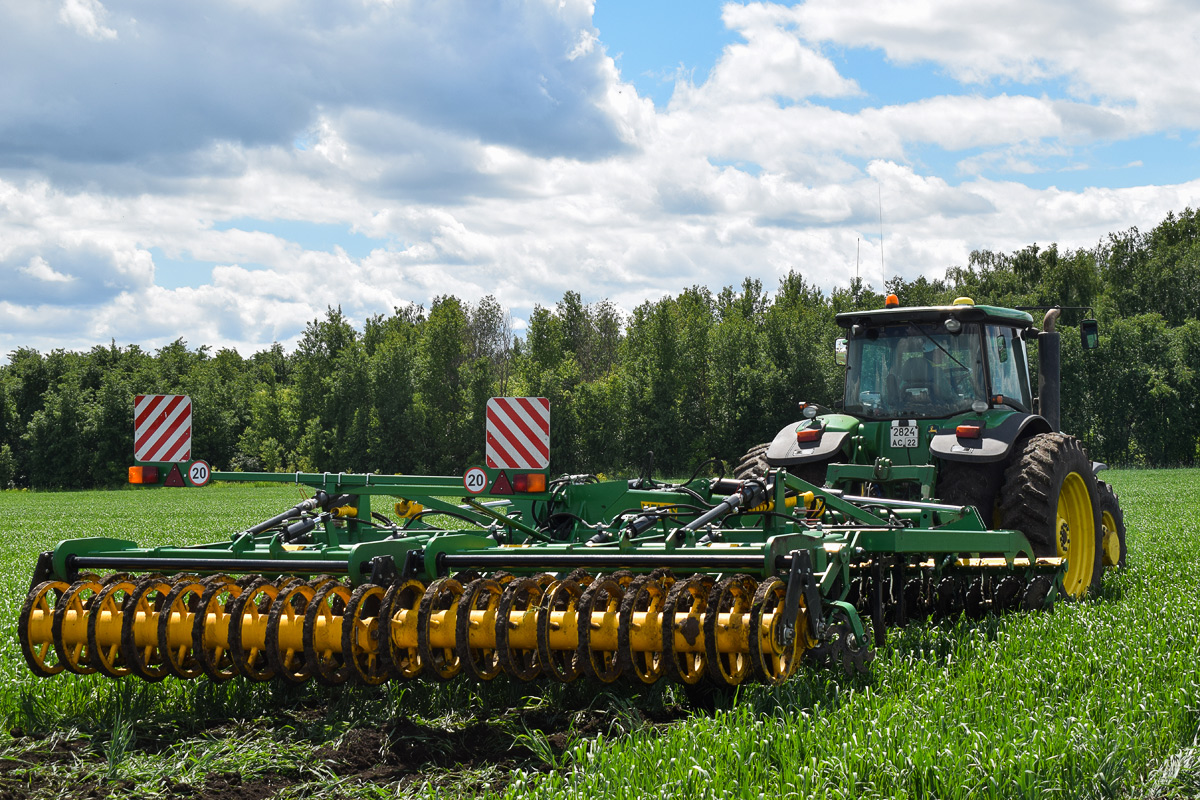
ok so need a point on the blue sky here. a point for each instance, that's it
(224, 173)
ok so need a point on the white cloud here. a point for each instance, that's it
(39, 269)
(84, 16)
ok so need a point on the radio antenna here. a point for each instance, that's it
(882, 271)
(857, 256)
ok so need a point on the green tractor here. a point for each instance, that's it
(938, 405)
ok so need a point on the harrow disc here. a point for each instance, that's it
(436, 615)
(731, 599)
(139, 629)
(603, 596)
(682, 623)
(287, 656)
(360, 636)
(522, 598)
(482, 595)
(644, 598)
(38, 647)
(561, 597)
(399, 609)
(104, 625)
(181, 606)
(322, 642)
(76, 601)
(210, 628)
(772, 662)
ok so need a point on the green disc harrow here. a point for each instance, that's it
(708, 580)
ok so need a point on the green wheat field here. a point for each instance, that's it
(1095, 699)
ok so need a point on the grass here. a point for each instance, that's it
(1097, 699)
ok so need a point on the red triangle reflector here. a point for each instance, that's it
(174, 477)
(501, 485)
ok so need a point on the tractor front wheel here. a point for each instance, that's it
(754, 464)
(966, 484)
(1112, 520)
(1050, 495)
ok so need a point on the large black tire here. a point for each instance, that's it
(965, 484)
(1112, 518)
(754, 464)
(1050, 495)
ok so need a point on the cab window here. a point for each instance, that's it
(1008, 369)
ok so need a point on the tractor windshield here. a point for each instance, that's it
(914, 370)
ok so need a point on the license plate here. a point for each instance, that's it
(904, 436)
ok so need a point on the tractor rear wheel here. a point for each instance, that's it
(754, 464)
(1112, 520)
(1050, 495)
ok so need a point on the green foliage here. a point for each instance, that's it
(688, 377)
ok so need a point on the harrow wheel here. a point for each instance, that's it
(1007, 595)
(732, 597)
(523, 596)
(772, 663)
(442, 597)
(481, 594)
(39, 650)
(403, 662)
(603, 595)
(210, 639)
(646, 596)
(182, 602)
(249, 613)
(287, 658)
(564, 595)
(361, 628)
(139, 638)
(328, 604)
(683, 615)
(104, 629)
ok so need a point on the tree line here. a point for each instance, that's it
(688, 377)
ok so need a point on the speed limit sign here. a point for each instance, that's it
(199, 473)
(475, 480)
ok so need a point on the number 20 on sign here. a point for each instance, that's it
(475, 480)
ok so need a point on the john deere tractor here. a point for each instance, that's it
(938, 405)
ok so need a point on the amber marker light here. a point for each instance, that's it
(530, 482)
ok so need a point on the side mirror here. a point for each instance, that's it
(840, 347)
(1002, 349)
(1089, 334)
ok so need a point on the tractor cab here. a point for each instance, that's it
(934, 363)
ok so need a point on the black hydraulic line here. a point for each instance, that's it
(716, 461)
(752, 494)
(435, 512)
(166, 564)
(291, 513)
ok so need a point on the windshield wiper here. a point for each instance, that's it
(939, 347)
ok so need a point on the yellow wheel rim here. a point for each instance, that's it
(1075, 535)
(1111, 542)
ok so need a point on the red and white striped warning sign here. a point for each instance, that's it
(162, 427)
(518, 433)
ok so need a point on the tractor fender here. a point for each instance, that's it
(993, 445)
(784, 450)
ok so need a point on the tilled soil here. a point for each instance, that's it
(402, 752)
